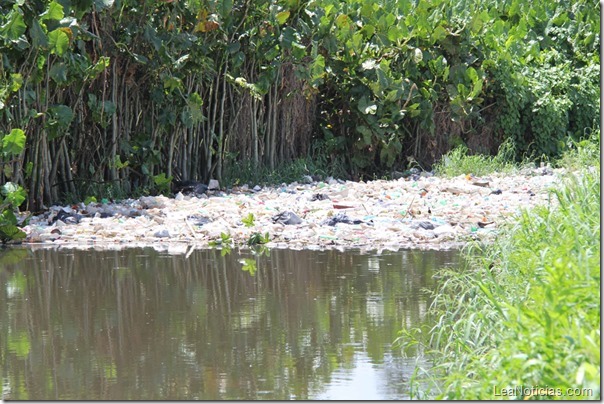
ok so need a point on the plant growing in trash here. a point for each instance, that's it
(249, 220)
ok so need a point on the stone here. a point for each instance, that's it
(213, 185)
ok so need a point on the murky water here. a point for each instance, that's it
(140, 324)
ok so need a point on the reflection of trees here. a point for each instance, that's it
(135, 324)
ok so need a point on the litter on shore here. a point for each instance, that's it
(425, 212)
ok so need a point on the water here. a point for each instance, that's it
(146, 325)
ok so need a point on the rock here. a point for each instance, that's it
(257, 188)
(213, 185)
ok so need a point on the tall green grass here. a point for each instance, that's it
(524, 311)
(458, 162)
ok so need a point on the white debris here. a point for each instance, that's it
(420, 212)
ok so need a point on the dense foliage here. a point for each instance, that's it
(108, 96)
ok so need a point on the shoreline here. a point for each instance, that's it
(424, 213)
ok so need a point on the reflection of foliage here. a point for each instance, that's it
(258, 238)
(19, 344)
(11, 256)
(249, 265)
(301, 317)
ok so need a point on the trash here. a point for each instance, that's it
(189, 187)
(429, 212)
(198, 220)
(66, 217)
(341, 218)
(161, 233)
(424, 224)
(319, 197)
(480, 183)
(307, 179)
(340, 206)
(286, 218)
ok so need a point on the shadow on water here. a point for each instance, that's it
(140, 324)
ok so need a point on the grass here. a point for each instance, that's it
(458, 162)
(524, 311)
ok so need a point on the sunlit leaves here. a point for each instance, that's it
(14, 142)
(53, 12)
(58, 41)
(13, 194)
(14, 26)
(283, 16)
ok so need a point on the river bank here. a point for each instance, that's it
(421, 211)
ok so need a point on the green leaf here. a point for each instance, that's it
(14, 27)
(54, 12)
(16, 82)
(342, 21)
(439, 33)
(14, 142)
(59, 119)
(10, 232)
(282, 17)
(366, 133)
(59, 41)
(38, 35)
(15, 195)
(248, 221)
(58, 73)
(394, 34)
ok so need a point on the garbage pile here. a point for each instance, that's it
(420, 211)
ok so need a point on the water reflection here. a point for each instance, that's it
(139, 324)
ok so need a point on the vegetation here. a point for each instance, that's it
(526, 310)
(458, 162)
(113, 96)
